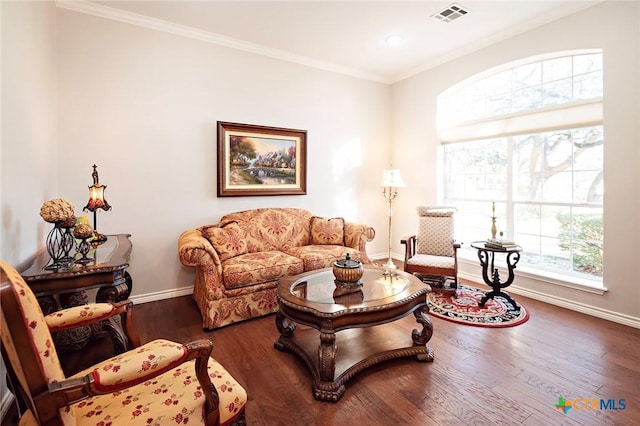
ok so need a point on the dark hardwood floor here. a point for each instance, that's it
(480, 376)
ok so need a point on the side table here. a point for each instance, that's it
(60, 288)
(486, 254)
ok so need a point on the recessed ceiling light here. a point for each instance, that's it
(394, 40)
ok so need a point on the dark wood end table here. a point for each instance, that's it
(356, 321)
(490, 275)
(57, 288)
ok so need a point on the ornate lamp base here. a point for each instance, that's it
(390, 265)
(98, 238)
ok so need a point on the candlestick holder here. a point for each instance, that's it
(494, 229)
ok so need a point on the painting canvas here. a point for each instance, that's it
(260, 160)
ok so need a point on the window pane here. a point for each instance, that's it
(588, 234)
(549, 219)
(527, 221)
(552, 257)
(583, 64)
(556, 69)
(527, 76)
(528, 175)
(528, 98)
(558, 188)
(557, 151)
(497, 84)
(588, 86)
(498, 105)
(557, 92)
(587, 187)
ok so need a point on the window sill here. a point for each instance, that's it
(576, 283)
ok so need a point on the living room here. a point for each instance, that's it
(142, 104)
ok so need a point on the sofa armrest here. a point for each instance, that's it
(357, 236)
(195, 250)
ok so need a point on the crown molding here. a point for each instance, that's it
(89, 8)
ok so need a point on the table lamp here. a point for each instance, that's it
(97, 201)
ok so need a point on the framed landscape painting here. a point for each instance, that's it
(261, 160)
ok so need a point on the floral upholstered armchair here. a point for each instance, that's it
(240, 259)
(432, 254)
(159, 383)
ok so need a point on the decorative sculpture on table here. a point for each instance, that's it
(493, 221)
(348, 271)
(83, 232)
(97, 201)
(59, 241)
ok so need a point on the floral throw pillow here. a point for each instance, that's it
(327, 231)
(228, 240)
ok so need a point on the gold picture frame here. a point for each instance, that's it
(261, 160)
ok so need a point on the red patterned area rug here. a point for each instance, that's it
(464, 309)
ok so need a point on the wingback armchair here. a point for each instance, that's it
(432, 254)
(158, 383)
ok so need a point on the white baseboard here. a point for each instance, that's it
(383, 256)
(563, 303)
(161, 295)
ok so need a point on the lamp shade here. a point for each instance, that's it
(391, 178)
(96, 198)
(96, 194)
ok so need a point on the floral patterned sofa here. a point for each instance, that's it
(240, 259)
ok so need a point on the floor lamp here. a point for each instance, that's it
(391, 181)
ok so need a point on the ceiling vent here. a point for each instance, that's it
(451, 13)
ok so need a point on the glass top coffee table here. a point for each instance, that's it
(356, 320)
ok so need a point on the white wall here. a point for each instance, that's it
(29, 133)
(143, 105)
(28, 148)
(602, 26)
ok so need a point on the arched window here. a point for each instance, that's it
(529, 138)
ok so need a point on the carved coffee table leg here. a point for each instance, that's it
(422, 337)
(327, 356)
(286, 327)
(326, 388)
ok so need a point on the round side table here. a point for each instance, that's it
(490, 274)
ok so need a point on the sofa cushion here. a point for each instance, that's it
(322, 256)
(255, 268)
(268, 229)
(228, 240)
(327, 231)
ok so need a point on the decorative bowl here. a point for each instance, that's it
(348, 271)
